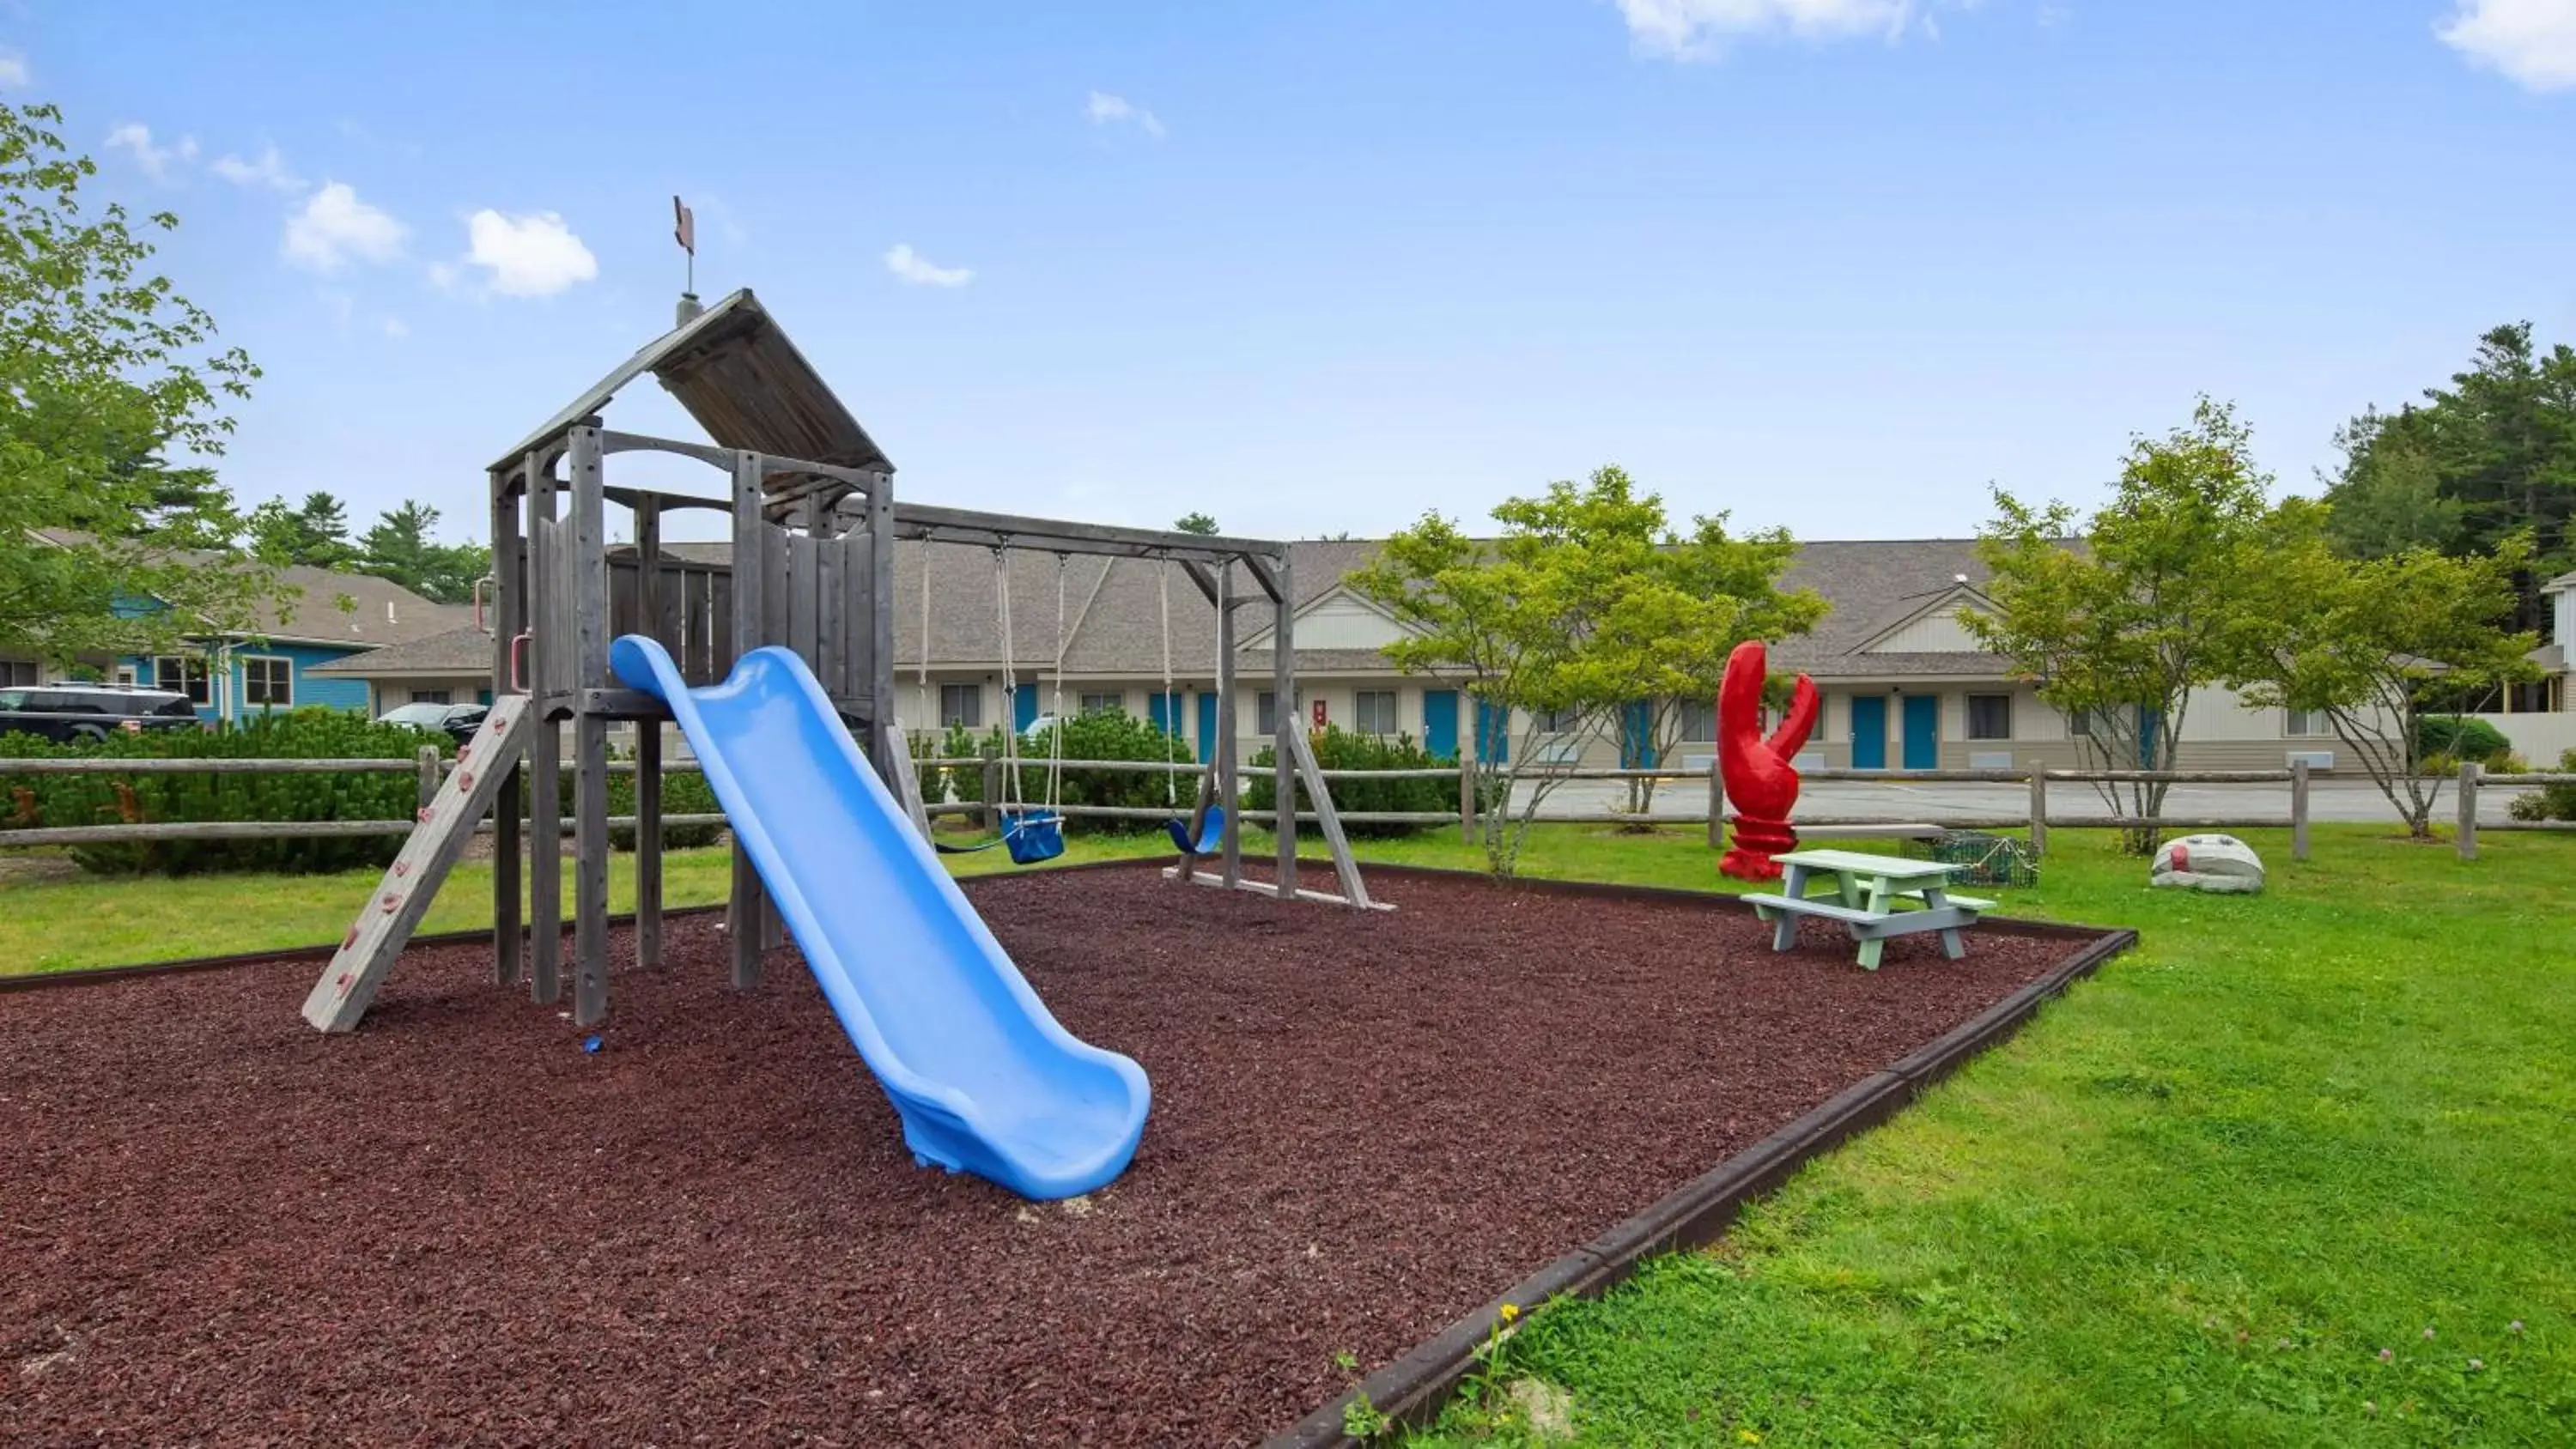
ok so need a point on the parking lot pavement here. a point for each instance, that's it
(2328, 800)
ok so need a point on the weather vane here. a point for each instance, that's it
(684, 230)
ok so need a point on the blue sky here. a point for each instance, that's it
(1834, 264)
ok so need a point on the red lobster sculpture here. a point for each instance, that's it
(1760, 782)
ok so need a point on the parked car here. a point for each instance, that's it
(86, 713)
(457, 721)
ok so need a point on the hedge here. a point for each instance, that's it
(2459, 737)
(62, 801)
(1103, 735)
(2549, 802)
(1340, 749)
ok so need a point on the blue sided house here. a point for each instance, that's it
(284, 663)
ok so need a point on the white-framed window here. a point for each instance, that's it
(1990, 717)
(1265, 713)
(961, 705)
(1111, 702)
(1555, 721)
(184, 676)
(1699, 720)
(125, 674)
(2306, 723)
(1373, 712)
(2079, 723)
(432, 696)
(20, 673)
(268, 680)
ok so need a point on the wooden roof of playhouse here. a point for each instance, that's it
(739, 376)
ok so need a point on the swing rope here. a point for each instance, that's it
(1010, 691)
(1171, 704)
(1055, 760)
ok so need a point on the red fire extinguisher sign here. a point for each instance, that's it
(1319, 714)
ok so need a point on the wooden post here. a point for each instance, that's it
(429, 774)
(546, 639)
(1467, 793)
(745, 920)
(993, 788)
(589, 593)
(1320, 796)
(888, 736)
(2469, 772)
(1228, 788)
(2299, 808)
(1716, 807)
(648, 744)
(1288, 721)
(2038, 812)
(508, 617)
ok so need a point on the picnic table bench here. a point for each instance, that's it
(1866, 888)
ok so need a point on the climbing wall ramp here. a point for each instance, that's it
(393, 912)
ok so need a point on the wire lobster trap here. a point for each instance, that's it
(1987, 860)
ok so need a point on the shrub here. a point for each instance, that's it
(57, 801)
(1101, 736)
(682, 794)
(1340, 749)
(2460, 737)
(2549, 802)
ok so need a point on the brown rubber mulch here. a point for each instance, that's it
(456, 1227)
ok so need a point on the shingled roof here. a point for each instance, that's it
(1113, 612)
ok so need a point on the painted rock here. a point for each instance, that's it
(2219, 863)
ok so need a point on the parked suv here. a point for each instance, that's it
(457, 721)
(77, 713)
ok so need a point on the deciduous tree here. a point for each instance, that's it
(106, 370)
(2162, 594)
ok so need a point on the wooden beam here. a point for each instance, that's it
(966, 525)
(589, 578)
(1321, 797)
(509, 613)
(648, 745)
(1205, 580)
(749, 901)
(1273, 585)
(547, 636)
(1264, 888)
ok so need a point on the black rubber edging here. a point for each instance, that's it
(1413, 1389)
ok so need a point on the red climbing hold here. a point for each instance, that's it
(424, 815)
(350, 939)
(392, 899)
(347, 980)
(465, 779)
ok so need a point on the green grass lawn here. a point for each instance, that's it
(2191, 1204)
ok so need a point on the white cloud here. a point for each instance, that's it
(1697, 29)
(13, 69)
(2533, 42)
(395, 327)
(1105, 109)
(155, 160)
(335, 228)
(535, 255)
(269, 170)
(915, 270)
(444, 276)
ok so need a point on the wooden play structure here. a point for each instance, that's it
(814, 524)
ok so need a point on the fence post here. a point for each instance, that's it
(1466, 798)
(2469, 772)
(2299, 808)
(429, 775)
(2038, 812)
(1716, 807)
(993, 795)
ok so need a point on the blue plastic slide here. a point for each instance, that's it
(983, 1077)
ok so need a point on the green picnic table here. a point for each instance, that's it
(1866, 890)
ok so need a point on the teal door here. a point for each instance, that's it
(1493, 734)
(1922, 731)
(1869, 731)
(1440, 723)
(2151, 723)
(1207, 727)
(1637, 736)
(1024, 708)
(1161, 713)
